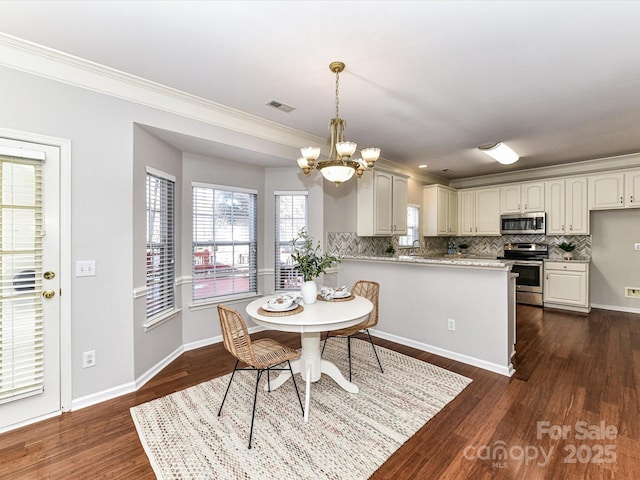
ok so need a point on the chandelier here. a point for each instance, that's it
(339, 166)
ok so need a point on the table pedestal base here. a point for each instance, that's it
(311, 366)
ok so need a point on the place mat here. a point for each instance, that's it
(285, 313)
(343, 299)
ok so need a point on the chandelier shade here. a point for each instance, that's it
(339, 166)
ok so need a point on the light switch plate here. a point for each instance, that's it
(85, 268)
(636, 246)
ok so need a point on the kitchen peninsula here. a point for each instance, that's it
(459, 308)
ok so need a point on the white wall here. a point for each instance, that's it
(152, 346)
(614, 263)
(101, 215)
(105, 194)
(416, 302)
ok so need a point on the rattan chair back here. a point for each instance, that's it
(236, 336)
(369, 290)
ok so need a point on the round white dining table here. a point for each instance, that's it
(317, 317)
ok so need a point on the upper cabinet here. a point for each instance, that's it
(632, 188)
(382, 204)
(614, 190)
(606, 191)
(522, 198)
(440, 211)
(567, 210)
(479, 211)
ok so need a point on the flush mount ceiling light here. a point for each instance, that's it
(500, 153)
(339, 166)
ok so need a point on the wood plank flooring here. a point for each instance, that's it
(574, 374)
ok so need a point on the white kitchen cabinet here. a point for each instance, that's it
(440, 211)
(566, 285)
(614, 190)
(479, 212)
(382, 204)
(566, 202)
(522, 197)
(606, 191)
(632, 189)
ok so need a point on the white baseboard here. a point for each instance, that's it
(153, 371)
(476, 362)
(129, 387)
(616, 308)
(102, 396)
(123, 389)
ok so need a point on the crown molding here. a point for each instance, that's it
(419, 175)
(52, 64)
(554, 171)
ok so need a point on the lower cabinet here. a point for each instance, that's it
(566, 286)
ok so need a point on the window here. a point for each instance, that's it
(291, 217)
(224, 258)
(160, 244)
(413, 227)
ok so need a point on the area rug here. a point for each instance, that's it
(348, 436)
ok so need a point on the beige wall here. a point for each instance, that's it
(615, 265)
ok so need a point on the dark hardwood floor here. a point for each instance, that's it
(571, 411)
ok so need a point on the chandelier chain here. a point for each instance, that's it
(337, 95)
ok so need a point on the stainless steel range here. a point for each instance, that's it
(529, 265)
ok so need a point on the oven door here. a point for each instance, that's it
(529, 275)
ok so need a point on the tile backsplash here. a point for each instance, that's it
(350, 244)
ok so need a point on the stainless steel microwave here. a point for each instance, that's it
(523, 223)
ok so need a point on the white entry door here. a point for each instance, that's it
(29, 282)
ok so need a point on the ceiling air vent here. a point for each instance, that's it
(280, 106)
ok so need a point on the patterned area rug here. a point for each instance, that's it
(348, 436)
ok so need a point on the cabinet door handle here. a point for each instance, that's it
(570, 227)
(621, 200)
(631, 199)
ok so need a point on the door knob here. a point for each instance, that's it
(48, 294)
(49, 275)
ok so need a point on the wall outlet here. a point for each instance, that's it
(451, 325)
(89, 359)
(632, 292)
(636, 246)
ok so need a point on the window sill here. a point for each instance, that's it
(160, 319)
(223, 300)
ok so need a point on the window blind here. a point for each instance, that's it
(224, 249)
(160, 244)
(291, 217)
(413, 227)
(21, 318)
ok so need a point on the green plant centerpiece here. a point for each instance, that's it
(311, 263)
(391, 250)
(568, 249)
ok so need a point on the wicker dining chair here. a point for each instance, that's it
(260, 355)
(369, 290)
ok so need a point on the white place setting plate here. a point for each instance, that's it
(286, 304)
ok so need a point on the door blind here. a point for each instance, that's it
(21, 319)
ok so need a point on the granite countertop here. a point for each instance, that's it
(573, 260)
(443, 260)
